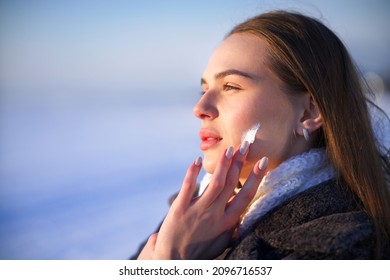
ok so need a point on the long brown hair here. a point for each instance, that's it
(309, 57)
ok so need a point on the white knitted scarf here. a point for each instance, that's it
(293, 176)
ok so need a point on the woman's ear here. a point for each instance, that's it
(311, 119)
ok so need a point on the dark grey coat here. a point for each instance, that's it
(324, 222)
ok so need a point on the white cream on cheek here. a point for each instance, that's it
(250, 135)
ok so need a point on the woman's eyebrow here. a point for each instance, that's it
(229, 72)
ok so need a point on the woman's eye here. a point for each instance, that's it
(230, 87)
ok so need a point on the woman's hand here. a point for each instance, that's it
(202, 227)
(148, 250)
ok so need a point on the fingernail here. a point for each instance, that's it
(244, 147)
(198, 161)
(229, 153)
(263, 163)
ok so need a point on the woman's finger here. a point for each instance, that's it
(218, 179)
(241, 201)
(233, 174)
(187, 190)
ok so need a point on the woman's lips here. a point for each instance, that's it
(208, 138)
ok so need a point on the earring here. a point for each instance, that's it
(306, 134)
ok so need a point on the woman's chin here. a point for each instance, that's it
(209, 165)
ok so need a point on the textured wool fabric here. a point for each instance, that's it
(293, 176)
(323, 222)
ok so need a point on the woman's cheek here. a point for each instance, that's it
(257, 150)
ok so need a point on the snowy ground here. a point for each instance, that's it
(90, 181)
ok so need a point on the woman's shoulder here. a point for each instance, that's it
(327, 199)
(324, 222)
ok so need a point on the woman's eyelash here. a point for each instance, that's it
(230, 87)
(226, 87)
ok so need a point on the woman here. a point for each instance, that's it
(313, 184)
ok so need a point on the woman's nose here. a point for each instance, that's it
(206, 107)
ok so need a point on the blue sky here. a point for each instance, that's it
(122, 45)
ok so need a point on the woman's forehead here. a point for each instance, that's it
(243, 52)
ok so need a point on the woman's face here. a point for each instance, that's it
(239, 91)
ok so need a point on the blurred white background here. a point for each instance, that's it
(96, 97)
